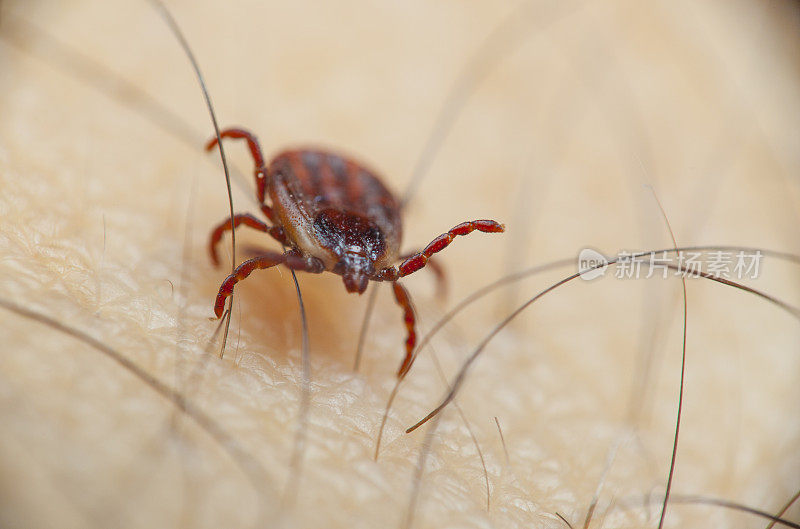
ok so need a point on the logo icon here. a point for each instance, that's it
(591, 264)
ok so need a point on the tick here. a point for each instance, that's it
(332, 214)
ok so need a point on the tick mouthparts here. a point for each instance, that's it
(355, 282)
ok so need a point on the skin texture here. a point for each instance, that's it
(700, 101)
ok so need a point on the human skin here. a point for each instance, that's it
(105, 212)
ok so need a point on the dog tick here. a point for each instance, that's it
(333, 214)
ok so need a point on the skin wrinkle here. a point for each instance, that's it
(84, 443)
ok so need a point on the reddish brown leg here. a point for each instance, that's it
(403, 299)
(258, 159)
(438, 271)
(419, 260)
(247, 220)
(267, 260)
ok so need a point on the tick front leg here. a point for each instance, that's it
(258, 160)
(248, 220)
(438, 271)
(291, 259)
(419, 260)
(410, 320)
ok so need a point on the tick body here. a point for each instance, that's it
(336, 210)
(331, 214)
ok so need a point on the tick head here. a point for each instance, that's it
(355, 267)
(356, 243)
(355, 280)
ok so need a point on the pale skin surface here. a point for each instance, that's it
(699, 101)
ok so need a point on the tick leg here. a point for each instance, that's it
(403, 299)
(297, 261)
(268, 260)
(420, 259)
(258, 160)
(291, 259)
(247, 220)
(438, 270)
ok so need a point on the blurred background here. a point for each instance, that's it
(555, 118)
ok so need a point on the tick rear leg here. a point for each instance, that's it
(248, 220)
(291, 259)
(258, 160)
(410, 320)
(420, 259)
